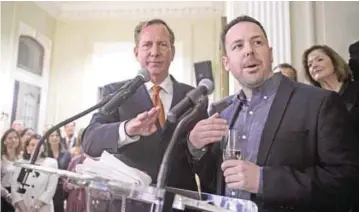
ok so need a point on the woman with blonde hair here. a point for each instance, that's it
(325, 68)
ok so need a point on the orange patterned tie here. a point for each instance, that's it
(156, 100)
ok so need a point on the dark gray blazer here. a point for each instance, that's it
(145, 154)
(308, 151)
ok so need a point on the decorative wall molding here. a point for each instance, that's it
(132, 10)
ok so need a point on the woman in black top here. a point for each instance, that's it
(326, 69)
(56, 150)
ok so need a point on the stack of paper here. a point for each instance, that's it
(111, 168)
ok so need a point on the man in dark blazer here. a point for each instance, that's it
(134, 132)
(299, 152)
(69, 139)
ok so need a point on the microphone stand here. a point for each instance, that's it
(165, 165)
(24, 173)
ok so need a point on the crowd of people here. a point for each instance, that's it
(44, 192)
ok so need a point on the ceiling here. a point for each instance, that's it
(74, 10)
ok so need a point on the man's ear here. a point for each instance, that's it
(225, 61)
(135, 51)
(173, 52)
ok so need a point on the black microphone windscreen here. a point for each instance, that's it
(218, 107)
(144, 74)
(208, 84)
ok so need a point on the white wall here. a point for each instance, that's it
(15, 15)
(338, 25)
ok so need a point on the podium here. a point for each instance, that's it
(113, 197)
(104, 195)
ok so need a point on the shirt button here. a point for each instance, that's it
(233, 193)
(244, 137)
(265, 97)
(250, 112)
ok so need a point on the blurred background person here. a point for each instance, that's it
(38, 196)
(56, 150)
(287, 70)
(70, 138)
(325, 68)
(25, 135)
(10, 151)
(46, 128)
(76, 150)
(76, 199)
(18, 125)
(354, 59)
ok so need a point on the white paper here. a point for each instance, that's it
(111, 168)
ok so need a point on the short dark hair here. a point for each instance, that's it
(287, 65)
(24, 131)
(143, 24)
(239, 19)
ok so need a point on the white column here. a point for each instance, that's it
(275, 18)
(303, 31)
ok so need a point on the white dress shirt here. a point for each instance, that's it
(166, 95)
(70, 141)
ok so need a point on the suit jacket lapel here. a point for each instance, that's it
(142, 99)
(275, 115)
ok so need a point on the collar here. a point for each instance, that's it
(166, 85)
(267, 88)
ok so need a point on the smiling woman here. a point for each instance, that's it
(325, 68)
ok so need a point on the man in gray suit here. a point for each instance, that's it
(137, 132)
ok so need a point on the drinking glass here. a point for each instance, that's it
(234, 149)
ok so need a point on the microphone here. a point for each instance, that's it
(109, 103)
(205, 87)
(218, 107)
(127, 90)
(167, 160)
